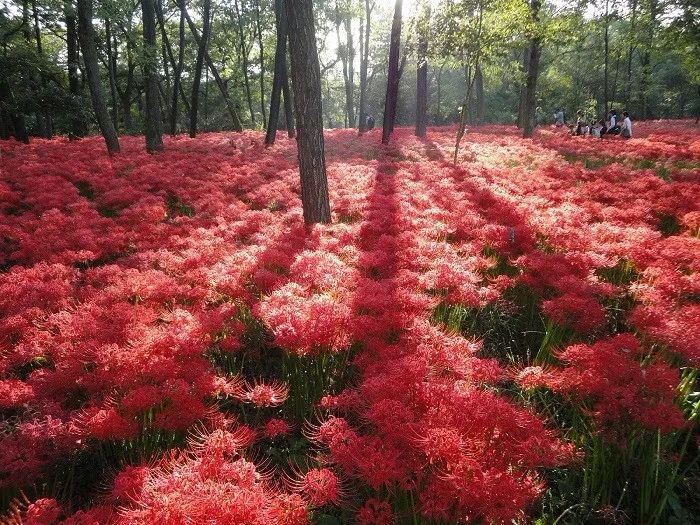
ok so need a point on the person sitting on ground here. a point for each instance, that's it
(602, 128)
(626, 130)
(559, 117)
(580, 123)
(614, 127)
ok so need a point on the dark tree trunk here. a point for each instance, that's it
(261, 50)
(177, 74)
(244, 62)
(393, 77)
(606, 57)
(87, 44)
(194, 106)
(280, 73)
(532, 72)
(214, 72)
(177, 66)
(154, 140)
(422, 84)
(350, 77)
(112, 71)
(76, 123)
(438, 102)
(43, 116)
(479, 92)
(364, 64)
(630, 54)
(523, 89)
(288, 109)
(306, 81)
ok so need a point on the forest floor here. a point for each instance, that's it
(510, 338)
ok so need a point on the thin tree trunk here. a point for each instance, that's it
(630, 53)
(287, 95)
(261, 49)
(438, 108)
(177, 73)
(422, 77)
(532, 72)
(194, 106)
(306, 81)
(364, 63)
(244, 63)
(280, 68)
(154, 139)
(606, 54)
(479, 92)
(523, 89)
(392, 85)
(217, 78)
(76, 123)
(87, 44)
(112, 71)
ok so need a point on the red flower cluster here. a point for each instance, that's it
(121, 277)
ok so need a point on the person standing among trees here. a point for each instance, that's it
(626, 130)
(614, 127)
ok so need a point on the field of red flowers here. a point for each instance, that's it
(511, 338)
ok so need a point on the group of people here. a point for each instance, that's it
(597, 129)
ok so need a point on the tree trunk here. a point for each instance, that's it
(392, 84)
(479, 92)
(76, 123)
(630, 53)
(201, 51)
(43, 117)
(217, 78)
(112, 71)
(346, 54)
(154, 140)
(422, 78)
(438, 102)
(280, 71)
(87, 44)
(306, 81)
(177, 73)
(606, 55)
(244, 63)
(261, 50)
(523, 89)
(364, 63)
(532, 72)
(287, 95)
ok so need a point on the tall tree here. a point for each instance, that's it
(261, 51)
(111, 69)
(154, 139)
(306, 82)
(201, 51)
(364, 62)
(534, 51)
(243, 54)
(76, 123)
(393, 76)
(422, 73)
(214, 72)
(280, 77)
(87, 44)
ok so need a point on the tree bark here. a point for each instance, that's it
(112, 71)
(280, 73)
(532, 73)
(630, 53)
(479, 92)
(201, 51)
(154, 139)
(306, 82)
(177, 74)
(606, 55)
(261, 50)
(244, 62)
(392, 84)
(422, 79)
(87, 44)
(364, 64)
(214, 72)
(76, 123)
